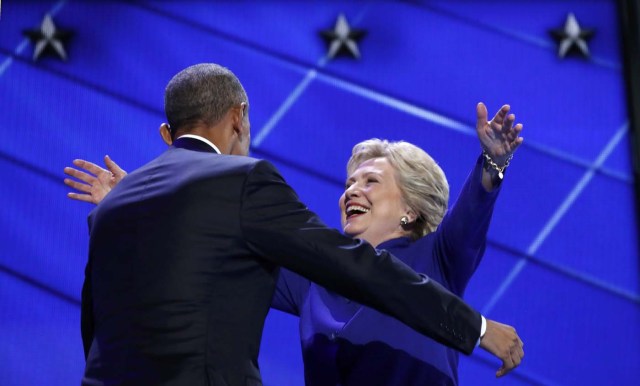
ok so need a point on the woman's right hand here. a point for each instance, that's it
(96, 182)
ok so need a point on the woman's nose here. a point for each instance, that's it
(352, 191)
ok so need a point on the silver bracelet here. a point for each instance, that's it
(494, 166)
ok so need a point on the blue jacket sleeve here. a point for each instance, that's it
(461, 238)
(291, 290)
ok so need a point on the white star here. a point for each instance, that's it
(572, 36)
(342, 38)
(48, 36)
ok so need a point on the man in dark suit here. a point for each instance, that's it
(184, 255)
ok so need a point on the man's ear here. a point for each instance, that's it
(165, 133)
(237, 118)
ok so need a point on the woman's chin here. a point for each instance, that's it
(349, 230)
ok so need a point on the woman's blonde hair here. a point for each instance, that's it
(422, 182)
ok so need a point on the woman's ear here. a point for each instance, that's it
(165, 133)
(411, 215)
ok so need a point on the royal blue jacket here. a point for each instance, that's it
(348, 344)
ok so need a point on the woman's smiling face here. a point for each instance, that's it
(372, 205)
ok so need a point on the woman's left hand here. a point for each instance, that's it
(498, 137)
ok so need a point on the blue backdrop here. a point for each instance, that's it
(562, 261)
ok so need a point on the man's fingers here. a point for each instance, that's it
(507, 363)
(502, 371)
(503, 341)
(520, 349)
(513, 359)
(516, 358)
(520, 353)
(77, 185)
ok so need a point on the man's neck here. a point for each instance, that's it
(203, 139)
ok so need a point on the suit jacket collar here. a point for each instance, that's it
(195, 144)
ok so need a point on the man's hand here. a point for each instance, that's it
(502, 341)
(96, 181)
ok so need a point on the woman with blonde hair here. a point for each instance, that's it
(396, 198)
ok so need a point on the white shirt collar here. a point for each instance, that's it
(203, 139)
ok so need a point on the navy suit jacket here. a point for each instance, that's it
(183, 262)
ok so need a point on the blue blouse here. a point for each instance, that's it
(347, 344)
